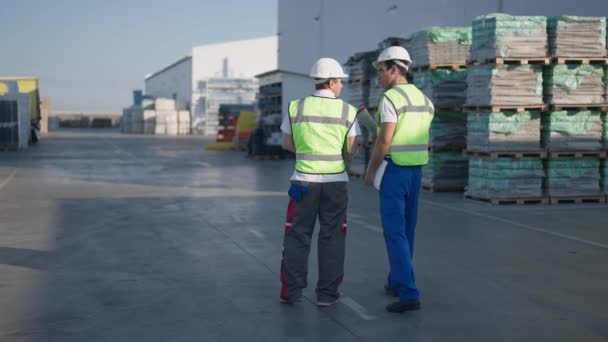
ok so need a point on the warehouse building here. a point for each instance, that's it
(214, 74)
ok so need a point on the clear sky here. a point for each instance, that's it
(90, 54)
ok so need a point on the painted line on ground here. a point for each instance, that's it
(257, 234)
(518, 224)
(8, 179)
(357, 308)
(203, 164)
(366, 225)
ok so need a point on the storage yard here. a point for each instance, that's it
(168, 223)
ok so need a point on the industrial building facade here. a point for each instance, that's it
(214, 74)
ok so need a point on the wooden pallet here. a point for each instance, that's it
(433, 188)
(454, 67)
(577, 199)
(580, 60)
(506, 154)
(449, 109)
(506, 200)
(602, 107)
(511, 61)
(577, 154)
(501, 108)
(358, 81)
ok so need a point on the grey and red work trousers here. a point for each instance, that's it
(327, 201)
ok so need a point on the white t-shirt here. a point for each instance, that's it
(388, 113)
(305, 177)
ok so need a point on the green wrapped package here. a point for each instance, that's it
(502, 35)
(440, 46)
(567, 177)
(505, 178)
(446, 171)
(571, 36)
(448, 131)
(604, 176)
(503, 131)
(568, 84)
(572, 130)
(445, 88)
(515, 85)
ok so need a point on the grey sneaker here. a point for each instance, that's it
(323, 303)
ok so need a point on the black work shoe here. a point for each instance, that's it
(288, 301)
(403, 305)
(390, 292)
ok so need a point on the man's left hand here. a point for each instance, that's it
(369, 178)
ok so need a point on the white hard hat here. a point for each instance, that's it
(396, 53)
(326, 68)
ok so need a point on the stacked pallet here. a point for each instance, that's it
(501, 37)
(509, 131)
(155, 117)
(440, 46)
(444, 87)
(604, 176)
(571, 36)
(505, 85)
(506, 180)
(504, 100)
(574, 84)
(572, 130)
(439, 56)
(575, 90)
(360, 71)
(570, 179)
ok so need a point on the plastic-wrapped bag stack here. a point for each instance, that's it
(448, 131)
(514, 85)
(568, 84)
(571, 36)
(440, 46)
(446, 171)
(444, 87)
(360, 71)
(501, 35)
(505, 178)
(503, 131)
(568, 177)
(572, 131)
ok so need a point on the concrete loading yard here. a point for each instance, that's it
(113, 237)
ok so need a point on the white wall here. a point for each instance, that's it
(298, 87)
(176, 79)
(246, 58)
(338, 28)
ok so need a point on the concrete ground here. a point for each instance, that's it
(110, 237)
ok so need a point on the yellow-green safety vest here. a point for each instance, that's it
(415, 111)
(319, 126)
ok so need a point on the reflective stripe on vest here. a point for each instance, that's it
(410, 142)
(319, 128)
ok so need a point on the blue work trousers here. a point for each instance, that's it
(399, 193)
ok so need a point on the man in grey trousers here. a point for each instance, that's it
(317, 128)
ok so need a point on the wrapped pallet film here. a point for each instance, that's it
(572, 130)
(505, 178)
(568, 177)
(514, 85)
(445, 88)
(448, 131)
(501, 35)
(568, 84)
(440, 45)
(571, 36)
(446, 171)
(503, 131)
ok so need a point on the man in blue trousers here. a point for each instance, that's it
(404, 116)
